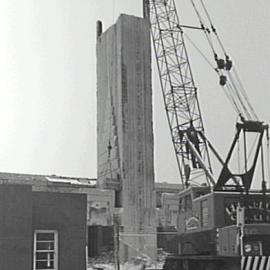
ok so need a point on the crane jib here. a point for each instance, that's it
(181, 100)
(178, 88)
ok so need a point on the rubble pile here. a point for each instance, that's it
(106, 261)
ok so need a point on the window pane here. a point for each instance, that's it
(45, 236)
(205, 213)
(44, 255)
(45, 264)
(45, 246)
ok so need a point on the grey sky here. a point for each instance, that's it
(48, 80)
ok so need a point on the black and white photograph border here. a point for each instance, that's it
(134, 135)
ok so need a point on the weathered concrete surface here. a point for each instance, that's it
(125, 135)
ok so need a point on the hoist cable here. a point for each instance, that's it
(244, 93)
(262, 161)
(203, 27)
(235, 97)
(242, 89)
(246, 101)
(239, 100)
(238, 155)
(213, 28)
(230, 96)
(251, 149)
(239, 97)
(200, 52)
(268, 154)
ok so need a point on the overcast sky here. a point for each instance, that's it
(48, 80)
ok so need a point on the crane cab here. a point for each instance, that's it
(207, 222)
(215, 232)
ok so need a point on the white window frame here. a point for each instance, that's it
(55, 248)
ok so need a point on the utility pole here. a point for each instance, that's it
(116, 241)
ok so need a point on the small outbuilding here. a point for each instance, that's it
(42, 230)
(44, 221)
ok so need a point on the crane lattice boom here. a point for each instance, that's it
(179, 90)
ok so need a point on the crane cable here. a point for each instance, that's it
(227, 93)
(206, 30)
(268, 153)
(251, 110)
(200, 52)
(213, 28)
(235, 101)
(251, 149)
(238, 156)
(237, 84)
(238, 96)
(207, 33)
(241, 93)
(231, 90)
(242, 89)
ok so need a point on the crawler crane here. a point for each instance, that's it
(224, 224)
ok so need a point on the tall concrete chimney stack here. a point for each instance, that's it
(99, 28)
(125, 131)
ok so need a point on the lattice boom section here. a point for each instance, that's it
(179, 91)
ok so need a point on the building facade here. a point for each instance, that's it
(41, 230)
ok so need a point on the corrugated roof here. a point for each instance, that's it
(34, 179)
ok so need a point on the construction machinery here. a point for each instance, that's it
(224, 223)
